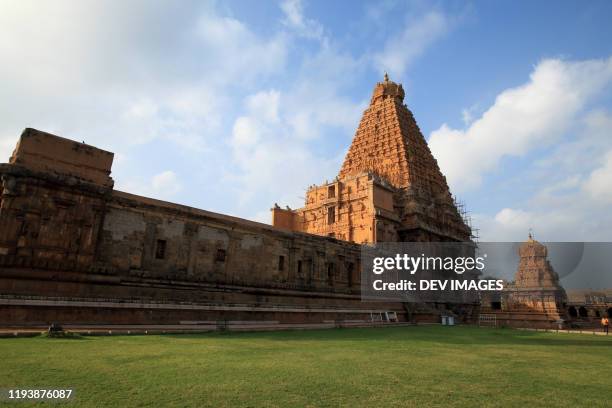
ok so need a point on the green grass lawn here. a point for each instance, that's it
(403, 366)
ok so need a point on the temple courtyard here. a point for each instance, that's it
(398, 366)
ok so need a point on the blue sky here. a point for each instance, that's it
(232, 106)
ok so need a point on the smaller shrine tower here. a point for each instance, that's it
(536, 284)
(535, 298)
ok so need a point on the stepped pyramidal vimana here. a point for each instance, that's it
(76, 251)
(535, 298)
(389, 189)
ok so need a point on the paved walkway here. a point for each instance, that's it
(596, 332)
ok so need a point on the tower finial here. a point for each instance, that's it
(386, 77)
(530, 234)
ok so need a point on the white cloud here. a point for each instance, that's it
(514, 218)
(570, 221)
(245, 132)
(144, 108)
(264, 105)
(551, 192)
(233, 54)
(163, 186)
(599, 183)
(402, 49)
(564, 193)
(274, 163)
(261, 116)
(573, 219)
(164, 71)
(590, 142)
(571, 185)
(167, 79)
(279, 142)
(572, 197)
(165, 183)
(294, 19)
(521, 119)
(467, 115)
(163, 83)
(316, 102)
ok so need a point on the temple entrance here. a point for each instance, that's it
(572, 312)
(583, 312)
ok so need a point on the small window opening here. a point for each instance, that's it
(331, 215)
(330, 273)
(349, 272)
(220, 255)
(160, 249)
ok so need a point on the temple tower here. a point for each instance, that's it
(535, 298)
(535, 270)
(390, 187)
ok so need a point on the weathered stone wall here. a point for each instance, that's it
(205, 247)
(53, 220)
(285, 219)
(74, 250)
(47, 153)
(49, 220)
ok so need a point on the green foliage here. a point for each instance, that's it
(404, 366)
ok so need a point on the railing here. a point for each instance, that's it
(487, 320)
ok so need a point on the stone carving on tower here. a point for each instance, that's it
(390, 187)
(535, 298)
(536, 286)
(535, 270)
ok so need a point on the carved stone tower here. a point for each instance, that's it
(536, 289)
(534, 270)
(389, 188)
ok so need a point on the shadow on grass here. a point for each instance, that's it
(473, 336)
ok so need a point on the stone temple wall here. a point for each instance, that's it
(54, 194)
(153, 239)
(73, 250)
(357, 209)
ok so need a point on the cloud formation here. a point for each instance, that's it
(295, 19)
(521, 119)
(275, 161)
(162, 72)
(599, 183)
(402, 49)
(204, 107)
(572, 195)
(164, 186)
